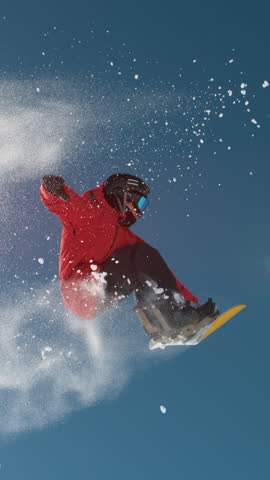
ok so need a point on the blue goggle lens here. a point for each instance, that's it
(143, 204)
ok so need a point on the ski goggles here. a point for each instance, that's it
(139, 201)
(143, 204)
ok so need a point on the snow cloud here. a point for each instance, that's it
(52, 363)
(35, 128)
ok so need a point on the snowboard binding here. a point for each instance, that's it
(154, 322)
(164, 331)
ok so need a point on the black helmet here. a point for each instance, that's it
(119, 188)
(119, 183)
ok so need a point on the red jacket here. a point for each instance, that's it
(90, 234)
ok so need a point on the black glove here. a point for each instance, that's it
(55, 185)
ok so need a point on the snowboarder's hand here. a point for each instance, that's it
(55, 185)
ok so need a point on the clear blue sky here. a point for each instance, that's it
(195, 124)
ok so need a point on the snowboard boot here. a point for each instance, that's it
(191, 319)
(194, 315)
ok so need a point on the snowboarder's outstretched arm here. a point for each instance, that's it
(59, 198)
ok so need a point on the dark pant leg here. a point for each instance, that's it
(140, 269)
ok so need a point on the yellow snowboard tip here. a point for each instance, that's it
(223, 318)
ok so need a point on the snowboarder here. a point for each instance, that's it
(102, 261)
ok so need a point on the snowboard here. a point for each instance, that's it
(194, 334)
